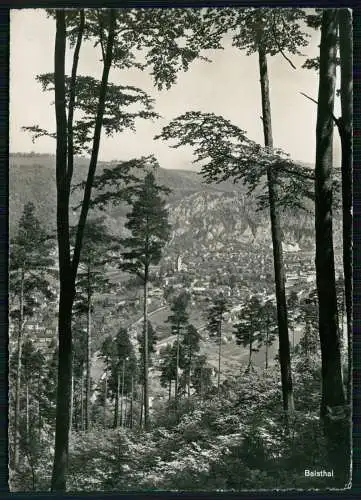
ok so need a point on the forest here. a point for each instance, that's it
(136, 362)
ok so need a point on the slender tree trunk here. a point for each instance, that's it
(307, 331)
(146, 352)
(105, 397)
(39, 410)
(141, 407)
(170, 390)
(72, 96)
(82, 401)
(219, 356)
(189, 372)
(27, 411)
(279, 269)
(345, 129)
(122, 400)
(67, 269)
(71, 403)
(88, 352)
(177, 370)
(125, 412)
(332, 389)
(116, 413)
(107, 62)
(333, 397)
(18, 369)
(267, 340)
(39, 422)
(67, 287)
(131, 402)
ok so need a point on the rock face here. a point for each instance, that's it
(216, 219)
(211, 216)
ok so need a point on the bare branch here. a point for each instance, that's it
(279, 48)
(336, 120)
(308, 97)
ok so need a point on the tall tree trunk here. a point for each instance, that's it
(250, 354)
(39, 410)
(170, 390)
(345, 129)
(107, 62)
(279, 269)
(88, 352)
(67, 269)
(18, 369)
(219, 355)
(82, 401)
(122, 400)
(116, 408)
(67, 289)
(131, 403)
(146, 352)
(201, 385)
(71, 403)
(307, 331)
(141, 407)
(105, 397)
(125, 419)
(189, 372)
(267, 340)
(332, 388)
(177, 370)
(27, 416)
(333, 398)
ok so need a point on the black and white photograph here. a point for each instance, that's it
(180, 249)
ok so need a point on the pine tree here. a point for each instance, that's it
(152, 342)
(178, 320)
(248, 329)
(269, 317)
(168, 364)
(122, 365)
(202, 376)
(97, 244)
(30, 270)
(191, 338)
(215, 315)
(106, 352)
(150, 230)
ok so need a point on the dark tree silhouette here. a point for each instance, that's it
(215, 314)
(150, 230)
(335, 421)
(30, 269)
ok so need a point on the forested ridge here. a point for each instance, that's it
(180, 330)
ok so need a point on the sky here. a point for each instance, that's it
(228, 86)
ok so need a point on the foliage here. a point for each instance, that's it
(152, 341)
(31, 263)
(149, 228)
(225, 152)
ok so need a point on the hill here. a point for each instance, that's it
(217, 214)
(32, 178)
